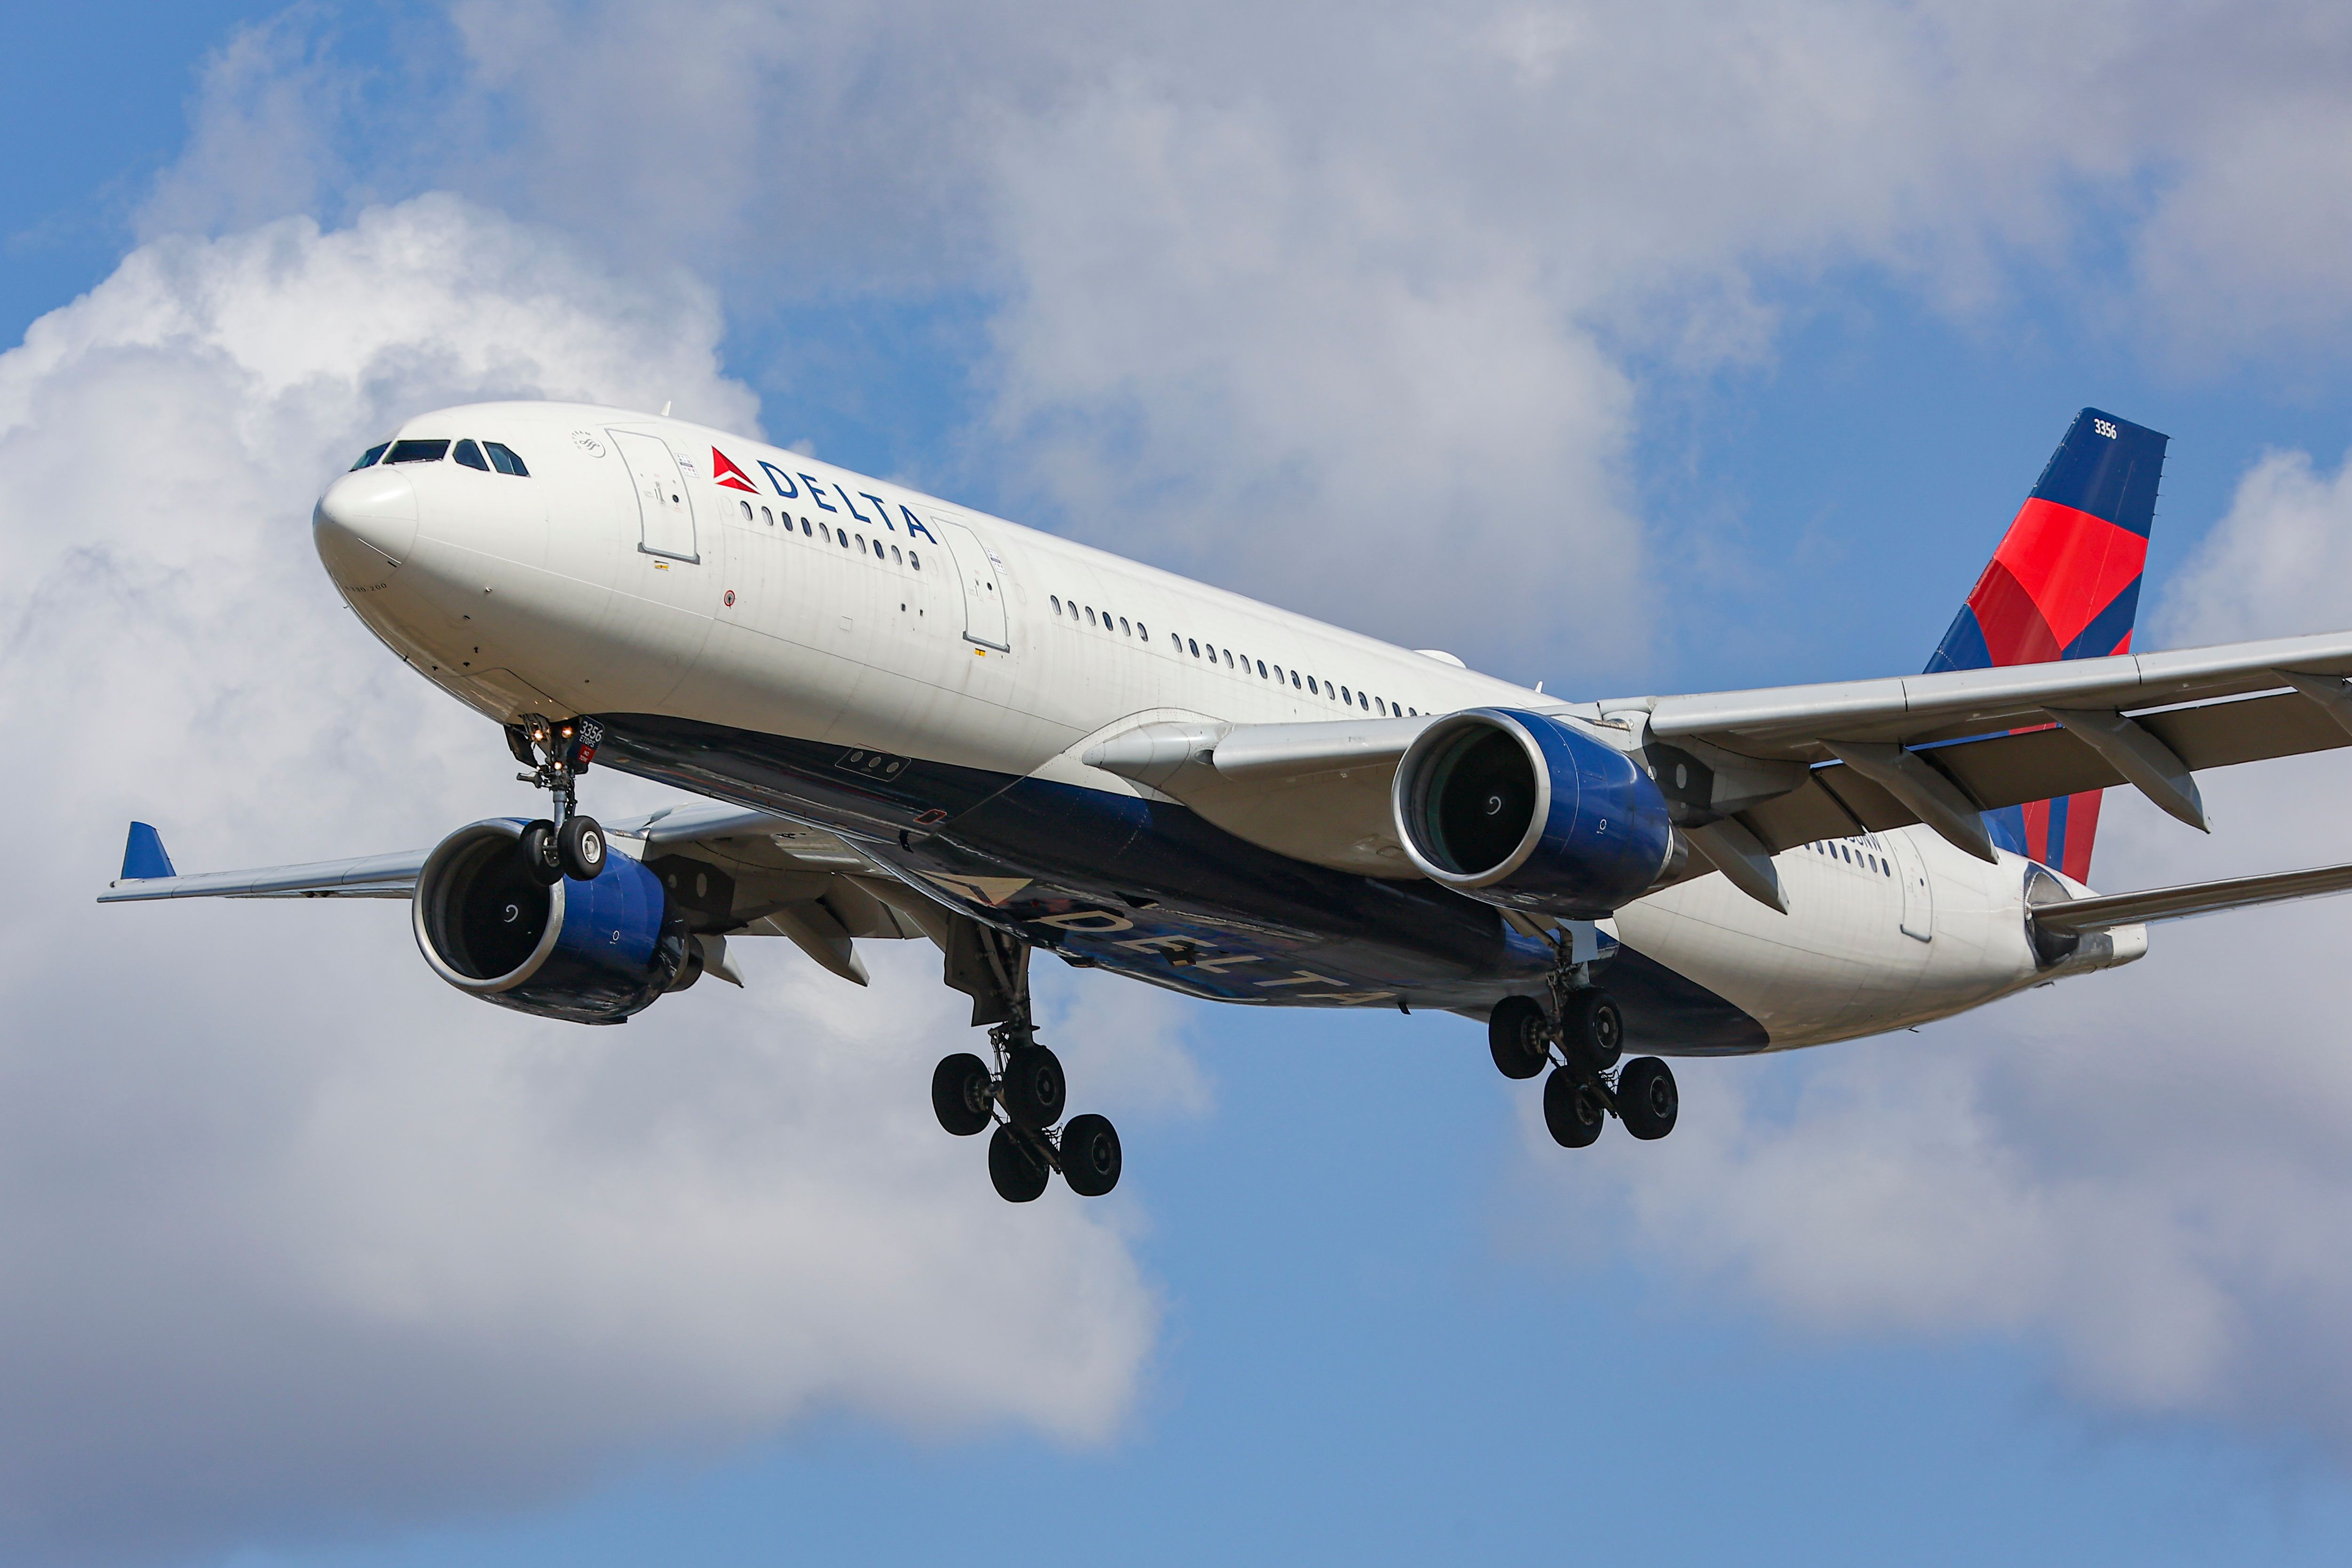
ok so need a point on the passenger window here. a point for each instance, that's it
(1261, 669)
(915, 561)
(1311, 687)
(1057, 601)
(1091, 614)
(1143, 631)
(744, 504)
(471, 456)
(1363, 702)
(861, 544)
(504, 460)
(895, 558)
(368, 457)
(1229, 658)
(1380, 707)
(805, 528)
(1122, 626)
(1343, 695)
(1294, 679)
(1196, 649)
(418, 451)
(767, 517)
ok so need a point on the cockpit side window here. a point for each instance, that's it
(471, 456)
(418, 452)
(504, 460)
(368, 457)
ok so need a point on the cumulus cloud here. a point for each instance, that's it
(1335, 304)
(294, 1237)
(2143, 1174)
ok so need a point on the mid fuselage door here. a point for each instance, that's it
(1918, 895)
(984, 620)
(664, 506)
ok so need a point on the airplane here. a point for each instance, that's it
(902, 718)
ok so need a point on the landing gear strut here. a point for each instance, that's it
(1025, 1086)
(1578, 1034)
(558, 751)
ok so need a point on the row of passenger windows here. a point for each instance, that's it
(840, 536)
(1860, 859)
(1312, 685)
(486, 457)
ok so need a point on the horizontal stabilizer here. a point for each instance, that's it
(2192, 898)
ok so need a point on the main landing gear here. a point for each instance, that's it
(1025, 1086)
(558, 751)
(1579, 1038)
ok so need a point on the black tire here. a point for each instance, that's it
(1017, 1171)
(580, 843)
(1035, 1092)
(1515, 1036)
(964, 1093)
(1573, 1108)
(1592, 1027)
(541, 861)
(1090, 1159)
(1647, 1099)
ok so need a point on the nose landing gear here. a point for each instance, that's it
(558, 751)
(1025, 1084)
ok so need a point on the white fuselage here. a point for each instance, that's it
(590, 586)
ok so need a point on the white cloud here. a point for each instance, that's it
(291, 1235)
(2142, 1174)
(1334, 304)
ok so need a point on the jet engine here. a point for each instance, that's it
(1531, 813)
(593, 953)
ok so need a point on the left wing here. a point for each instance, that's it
(1802, 763)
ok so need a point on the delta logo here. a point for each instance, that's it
(723, 469)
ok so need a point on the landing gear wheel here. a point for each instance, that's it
(1515, 1035)
(1573, 1110)
(541, 861)
(962, 1091)
(1647, 1099)
(580, 845)
(1015, 1167)
(1090, 1161)
(1035, 1090)
(1592, 1028)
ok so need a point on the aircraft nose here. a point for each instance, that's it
(365, 521)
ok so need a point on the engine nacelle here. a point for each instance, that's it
(1530, 813)
(592, 952)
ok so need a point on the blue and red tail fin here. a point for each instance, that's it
(2065, 585)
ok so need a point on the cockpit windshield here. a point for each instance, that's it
(503, 459)
(368, 457)
(418, 451)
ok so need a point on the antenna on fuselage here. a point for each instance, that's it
(664, 409)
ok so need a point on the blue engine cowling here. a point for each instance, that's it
(592, 952)
(1530, 813)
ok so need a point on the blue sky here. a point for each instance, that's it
(1641, 422)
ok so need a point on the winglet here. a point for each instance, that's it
(142, 855)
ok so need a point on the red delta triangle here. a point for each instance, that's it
(723, 469)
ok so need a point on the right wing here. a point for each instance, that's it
(733, 872)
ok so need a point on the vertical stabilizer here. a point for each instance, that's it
(2065, 585)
